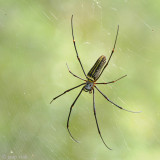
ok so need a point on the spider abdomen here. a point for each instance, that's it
(95, 71)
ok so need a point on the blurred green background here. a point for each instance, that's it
(36, 43)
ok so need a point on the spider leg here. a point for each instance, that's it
(111, 52)
(66, 92)
(70, 114)
(113, 81)
(94, 109)
(74, 74)
(74, 42)
(114, 103)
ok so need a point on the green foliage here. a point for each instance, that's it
(36, 43)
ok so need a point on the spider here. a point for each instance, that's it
(90, 82)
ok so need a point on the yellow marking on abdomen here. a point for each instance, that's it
(95, 71)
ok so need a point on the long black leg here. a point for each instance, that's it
(74, 74)
(113, 81)
(70, 114)
(74, 42)
(111, 52)
(114, 103)
(66, 92)
(94, 109)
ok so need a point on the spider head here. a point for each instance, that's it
(88, 87)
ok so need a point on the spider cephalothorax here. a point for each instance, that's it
(90, 82)
(88, 86)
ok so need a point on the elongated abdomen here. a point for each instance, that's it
(95, 71)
